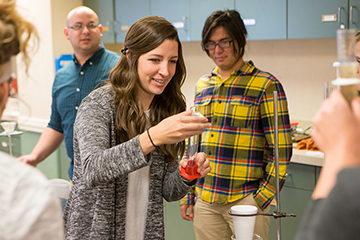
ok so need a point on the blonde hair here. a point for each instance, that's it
(357, 37)
(15, 34)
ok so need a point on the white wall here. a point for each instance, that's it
(35, 88)
(301, 65)
(59, 12)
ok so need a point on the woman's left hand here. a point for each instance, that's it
(202, 162)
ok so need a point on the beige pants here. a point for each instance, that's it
(213, 222)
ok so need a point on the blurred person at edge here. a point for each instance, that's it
(29, 208)
(90, 66)
(128, 137)
(334, 210)
(237, 98)
(333, 213)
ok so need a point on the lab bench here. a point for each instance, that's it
(302, 175)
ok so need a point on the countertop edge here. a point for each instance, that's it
(302, 157)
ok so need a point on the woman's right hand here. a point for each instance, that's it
(177, 128)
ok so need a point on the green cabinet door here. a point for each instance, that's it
(176, 12)
(64, 161)
(176, 228)
(295, 201)
(200, 10)
(15, 142)
(294, 198)
(316, 18)
(50, 166)
(264, 19)
(126, 13)
(106, 14)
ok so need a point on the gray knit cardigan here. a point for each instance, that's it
(96, 208)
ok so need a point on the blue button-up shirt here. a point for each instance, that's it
(72, 83)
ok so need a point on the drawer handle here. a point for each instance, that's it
(342, 25)
(4, 144)
(351, 14)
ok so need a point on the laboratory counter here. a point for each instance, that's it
(313, 158)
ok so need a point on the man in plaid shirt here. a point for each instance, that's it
(237, 98)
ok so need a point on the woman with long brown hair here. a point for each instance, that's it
(128, 137)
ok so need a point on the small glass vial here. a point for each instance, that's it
(190, 171)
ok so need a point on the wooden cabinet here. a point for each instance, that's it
(315, 19)
(264, 19)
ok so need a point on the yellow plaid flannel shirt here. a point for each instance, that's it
(240, 143)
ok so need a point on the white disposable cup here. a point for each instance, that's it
(244, 225)
(9, 127)
(61, 187)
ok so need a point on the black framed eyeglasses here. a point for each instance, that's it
(357, 60)
(221, 44)
(90, 26)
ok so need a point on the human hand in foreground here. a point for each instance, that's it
(337, 132)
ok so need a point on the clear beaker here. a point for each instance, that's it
(347, 67)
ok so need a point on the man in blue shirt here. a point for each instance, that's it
(90, 66)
